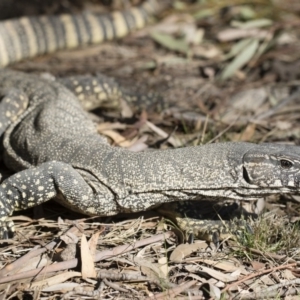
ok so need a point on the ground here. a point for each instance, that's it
(227, 72)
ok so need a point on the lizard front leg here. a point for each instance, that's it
(52, 179)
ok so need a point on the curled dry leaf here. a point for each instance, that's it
(184, 250)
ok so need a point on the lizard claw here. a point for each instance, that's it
(7, 228)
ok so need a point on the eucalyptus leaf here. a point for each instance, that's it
(258, 23)
(247, 12)
(240, 60)
(170, 42)
(203, 13)
(237, 48)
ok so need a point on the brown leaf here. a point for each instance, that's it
(248, 133)
(256, 265)
(184, 250)
(57, 279)
(88, 268)
(93, 241)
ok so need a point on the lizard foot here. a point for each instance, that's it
(214, 230)
(188, 218)
(7, 228)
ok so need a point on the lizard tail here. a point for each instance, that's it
(31, 36)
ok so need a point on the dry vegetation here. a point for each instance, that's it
(227, 71)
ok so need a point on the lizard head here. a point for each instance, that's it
(273, 166)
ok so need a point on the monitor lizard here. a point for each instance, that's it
(53, 147)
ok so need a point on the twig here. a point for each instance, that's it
(225, 130)
(123, 276)
(115, 286)
(262, 253)
(204, 128)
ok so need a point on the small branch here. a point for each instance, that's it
(115, 286)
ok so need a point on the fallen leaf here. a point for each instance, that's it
(117, 138)
(256, 265)
(55, 279)
(240, 33)
(62, 287)
(87, 268)
(34, 263)
(211, 272)
(241, 59)
(93, 241)
(139, 145)
(109, 126)
(283, 125)
(183, 250)
(287, 274)
(69, 238)
(252, 24)
(150, 269)
(267, 280)
(248, 133)
(167, 41)
(173, 141)
(163, 261)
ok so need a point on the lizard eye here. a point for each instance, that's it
(285, 164)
